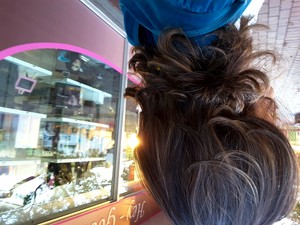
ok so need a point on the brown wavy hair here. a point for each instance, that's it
(210, 150)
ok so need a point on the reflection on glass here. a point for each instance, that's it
(57, 116)
(293, 133)
(129, 176)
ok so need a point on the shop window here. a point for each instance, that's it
(57, 133)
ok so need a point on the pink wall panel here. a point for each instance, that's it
(62, 21)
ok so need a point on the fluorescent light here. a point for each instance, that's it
(84, 58)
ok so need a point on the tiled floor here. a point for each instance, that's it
(158, 219)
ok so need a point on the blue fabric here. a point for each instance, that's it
(145, 19)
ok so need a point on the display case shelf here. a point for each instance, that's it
(36, 70)
(69, 120)
(21, 112)
(88, 93)
(19, 162)
(70, 160)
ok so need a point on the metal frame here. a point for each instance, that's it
(104, 17)
(121, 108)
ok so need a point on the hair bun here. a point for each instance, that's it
(220, 75)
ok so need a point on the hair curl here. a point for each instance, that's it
(209, 154)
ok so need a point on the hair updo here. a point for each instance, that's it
(210, 151)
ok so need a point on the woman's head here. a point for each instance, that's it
(208, 154)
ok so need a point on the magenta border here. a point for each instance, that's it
(52, 45)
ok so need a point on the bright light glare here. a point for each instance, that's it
(132, 141)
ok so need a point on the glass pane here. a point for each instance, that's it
(293, 133)
(57, 121)
(129, 176)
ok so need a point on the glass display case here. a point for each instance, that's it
(57, 133)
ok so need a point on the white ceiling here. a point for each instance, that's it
(283, 35)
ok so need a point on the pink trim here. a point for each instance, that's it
(44, 45)
(135, 79)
